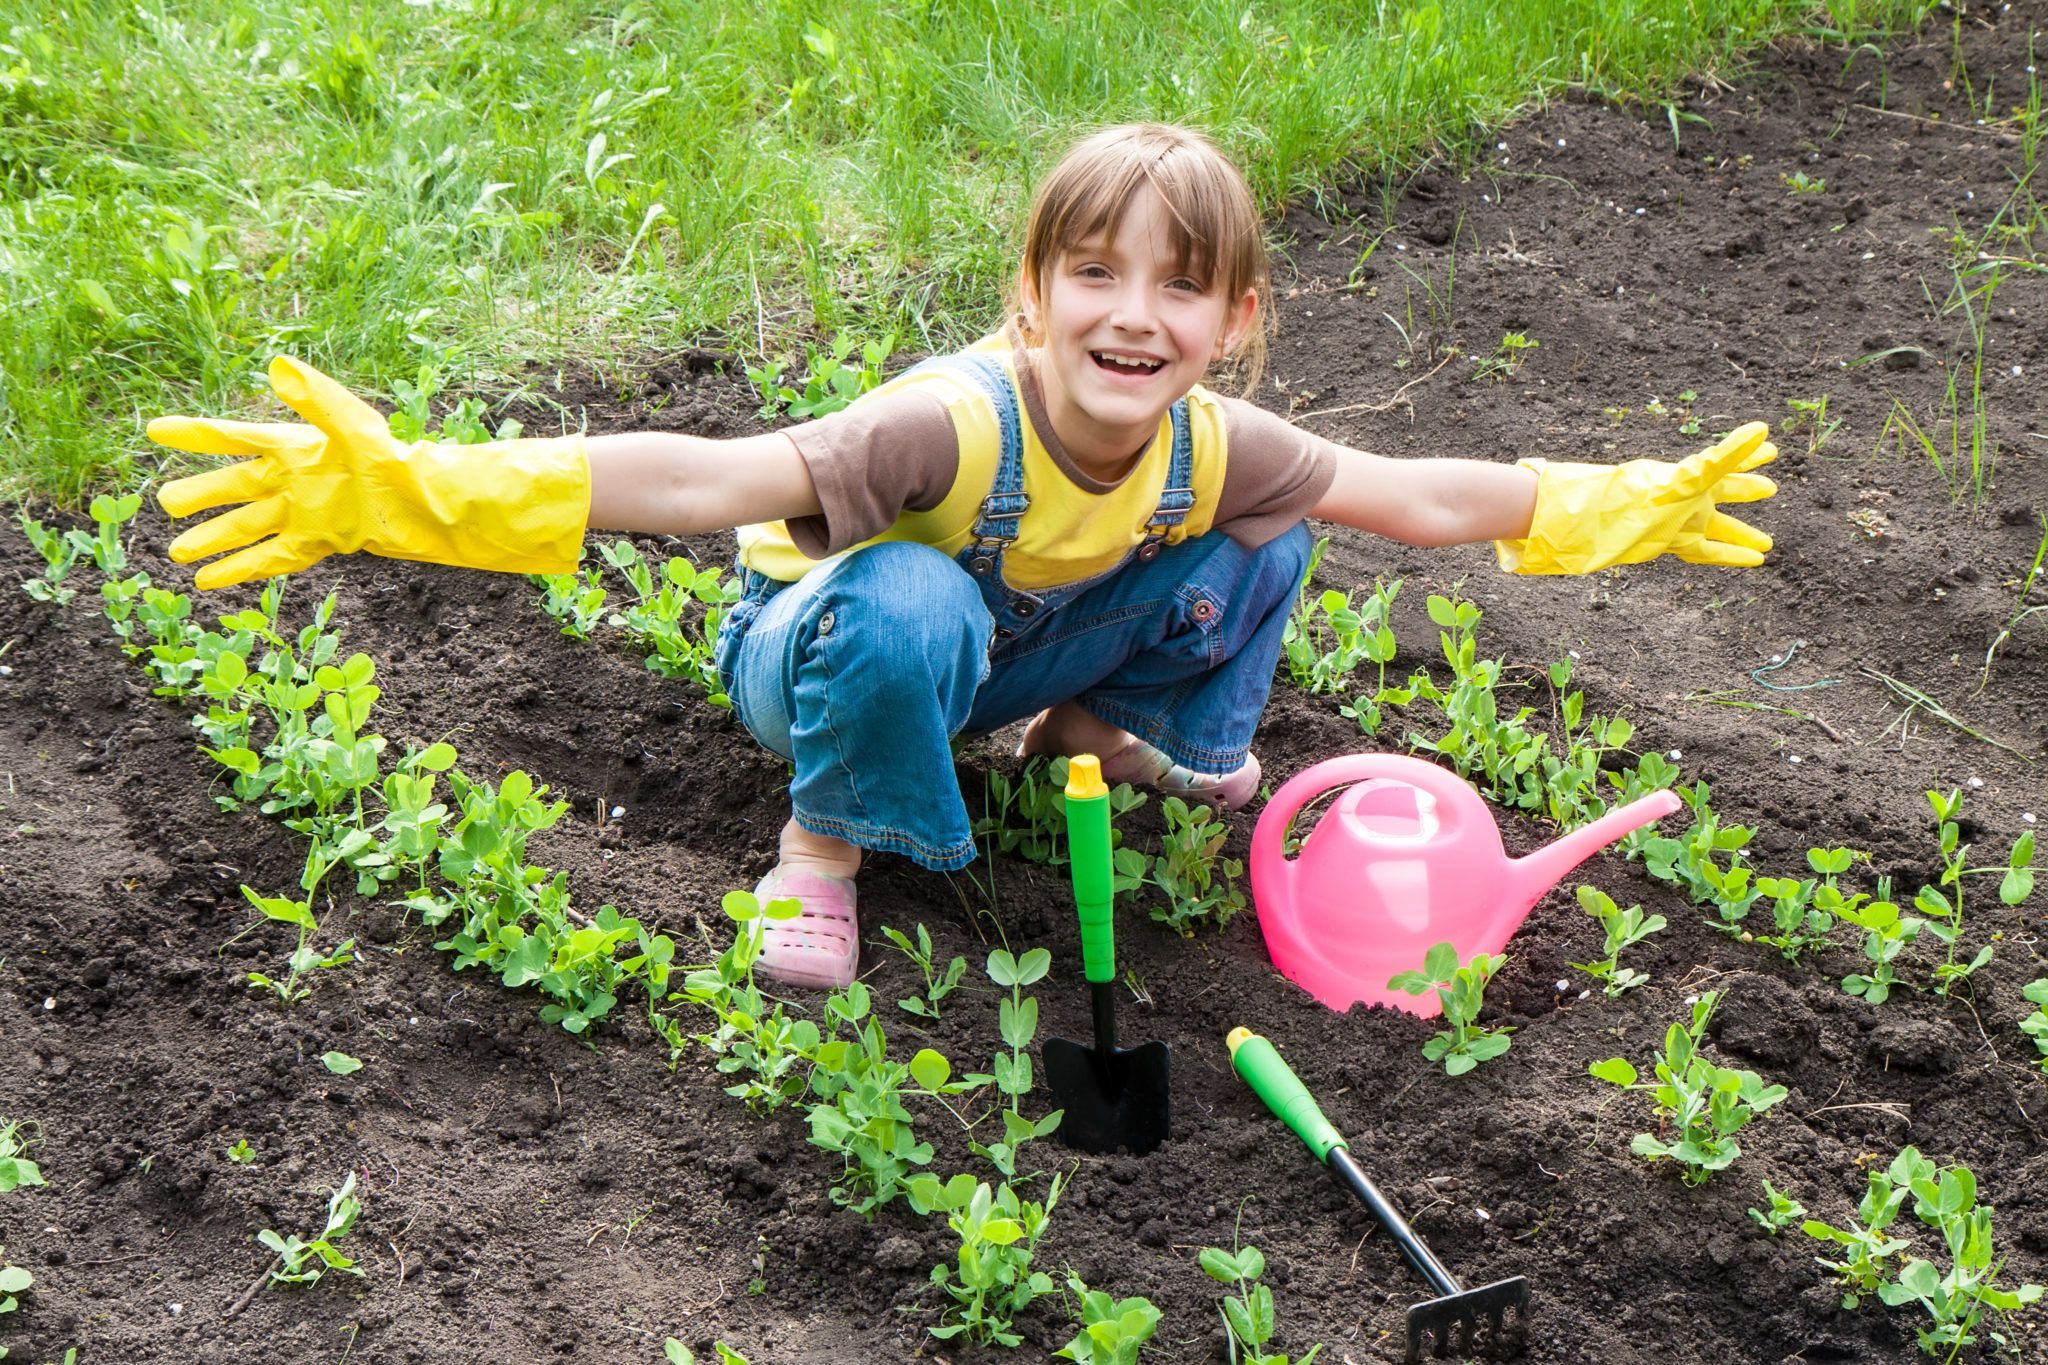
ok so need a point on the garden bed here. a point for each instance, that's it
(530, 1196)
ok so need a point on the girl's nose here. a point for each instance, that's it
(1132, 310)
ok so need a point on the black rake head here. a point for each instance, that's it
(1453, 1322)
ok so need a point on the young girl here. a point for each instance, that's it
(1059, 523)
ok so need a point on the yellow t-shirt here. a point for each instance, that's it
(914, 459)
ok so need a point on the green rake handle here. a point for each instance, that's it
(1269, 1076)
(1272, 1080)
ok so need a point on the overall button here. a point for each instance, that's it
(982, 564)
(1203, 609)
(825, 624)
(1004, 632)
(1024, 610)
(1149, 551)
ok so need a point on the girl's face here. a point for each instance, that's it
(1126, 335)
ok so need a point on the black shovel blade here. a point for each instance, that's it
(1454, 1322)
(1114, 1098)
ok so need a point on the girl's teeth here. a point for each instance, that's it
(1135, 366)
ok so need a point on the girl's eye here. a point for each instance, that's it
(1092, 272)
(1189, 285)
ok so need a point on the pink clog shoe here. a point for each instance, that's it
(820, 948)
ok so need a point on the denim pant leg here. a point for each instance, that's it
(1179, 651)
(859, 673)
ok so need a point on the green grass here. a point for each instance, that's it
(188, 188)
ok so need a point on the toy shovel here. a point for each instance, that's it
(1454, 1315)
(1113, 1097)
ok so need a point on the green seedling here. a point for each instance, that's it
(1506, 359)
(110, 514)
(1621, 929)
(754, 1039)
(1693, 861)
(577, 600)
(1944, 1199)
(59, 550)
(1942, 903)
(1782, 1211)
(14, 1280)
(305, 958)
(241, 1153)
(992, 1280)
(16, 1170)
(304, 1262)
(828, 383)
(2035, 1025)
(1029, 816)
(1248, 1315)
(863, 1117)
(1799, 184)
(1017, 1021)
(1803, 909)
(1867, 1252)
(938, 984)
(340, 1063)
(1886, 932)
(679, 1354)
(1690, 425)
(1327, 637)
(656, 621)
(1187, 873)
(1113, 1331)
(1812, 414)
(1461, 990)
(412, 417)
(1703, 1104)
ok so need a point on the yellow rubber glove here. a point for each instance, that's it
(346, 483)
(1591, 516)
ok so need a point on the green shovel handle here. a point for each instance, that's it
(1269, 1076)
(1088, 857)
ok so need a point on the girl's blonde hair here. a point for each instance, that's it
(1217, 237)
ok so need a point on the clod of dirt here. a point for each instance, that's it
(1915, 1044)
(1764, 1019)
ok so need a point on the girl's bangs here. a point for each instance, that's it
(1201, 219)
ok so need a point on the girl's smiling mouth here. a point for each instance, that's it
(1131, 364)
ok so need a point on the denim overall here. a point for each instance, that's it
(862, 671)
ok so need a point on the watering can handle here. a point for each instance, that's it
(1452, 793)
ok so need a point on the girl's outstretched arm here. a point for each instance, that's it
(668, 484)
(1553, 517)
(339, 481)
(1430, 502)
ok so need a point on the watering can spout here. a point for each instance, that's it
(1549, 865)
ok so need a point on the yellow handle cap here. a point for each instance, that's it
(1084, 777)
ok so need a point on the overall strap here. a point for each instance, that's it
(996, 525)
(1177, 498)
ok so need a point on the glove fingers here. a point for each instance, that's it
(267, 560)
(229, 531)
(1744, 488)
(242, 482)
(1737, 450)
(1727, 556)
(1726, 530)
(327, 405)
(207, 436)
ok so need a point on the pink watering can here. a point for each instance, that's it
(1407, 858)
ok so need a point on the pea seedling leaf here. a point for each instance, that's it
(340, 1063)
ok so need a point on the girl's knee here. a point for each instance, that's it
(906, 586)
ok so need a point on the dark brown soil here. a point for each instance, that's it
(529, 1197)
